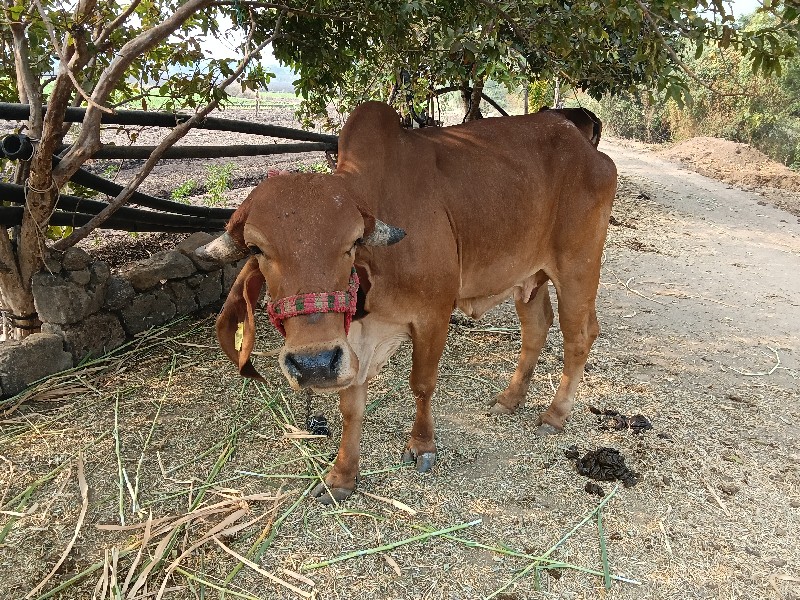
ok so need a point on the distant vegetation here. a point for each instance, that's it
(743, 106)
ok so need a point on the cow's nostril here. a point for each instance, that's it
(293, 366)
(336, 361)
(314, 368)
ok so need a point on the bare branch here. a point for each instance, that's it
(176, 134)
(89, 139)
(102, 37)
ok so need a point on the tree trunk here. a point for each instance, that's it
(472, 100)
(16, 296)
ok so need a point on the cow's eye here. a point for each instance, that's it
(254, 250)
(357, 243)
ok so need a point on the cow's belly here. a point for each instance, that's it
(374, 342)
(525, 289)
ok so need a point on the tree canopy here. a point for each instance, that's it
(345, 51)
(359, 51)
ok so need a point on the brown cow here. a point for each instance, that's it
(487, 210)
(585, 120)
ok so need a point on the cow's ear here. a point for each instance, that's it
(378, 233)
(236, 324)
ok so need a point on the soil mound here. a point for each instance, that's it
(732, 162)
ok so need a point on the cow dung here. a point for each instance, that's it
(594, 489)
(603, 464)
(613, 420)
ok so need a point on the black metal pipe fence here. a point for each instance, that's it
(163, 215)
(20, 112)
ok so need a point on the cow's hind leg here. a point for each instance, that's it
(341, 481)
(535, 317)
(578, 322)
(428, 341)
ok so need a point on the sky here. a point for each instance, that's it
(744, 7)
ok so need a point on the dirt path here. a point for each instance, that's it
(723, 275)
(699, 302)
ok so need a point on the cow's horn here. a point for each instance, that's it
(222, 250)
(384, 235)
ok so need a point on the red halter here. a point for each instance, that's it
(316, 302)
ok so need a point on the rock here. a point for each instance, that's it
(118, 293)
(148, 273)
(23, 362)
(75, 259)
(207, 288)
(100, 272)
(52, 263)
(777, 562)
(61, 301)
(752, 551)
(230, 273)
(81, 277)
(794, 503)
(182, 297)
(147, 310)
(192, 243)
(729, 487)
(97, 335)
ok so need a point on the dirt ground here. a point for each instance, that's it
(699, 305)
(740, 165)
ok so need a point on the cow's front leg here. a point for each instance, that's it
(341, 482)
(428, 344)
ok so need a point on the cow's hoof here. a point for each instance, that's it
(545, 429)
(424, 461)
(330, 495)
(500, 409)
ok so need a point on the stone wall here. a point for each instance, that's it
(87, 311)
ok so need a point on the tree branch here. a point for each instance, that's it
(100, 39)
(63, 58)
(89, 138)
(27, 82)
(651, 18)
(176, 134)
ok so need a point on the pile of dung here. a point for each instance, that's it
(611, 419)
(603, 464)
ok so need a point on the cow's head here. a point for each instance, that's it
(302, 232)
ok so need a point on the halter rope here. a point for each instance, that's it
(316, 302)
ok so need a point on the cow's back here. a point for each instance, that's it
(484, 201)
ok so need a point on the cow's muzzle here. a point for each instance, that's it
(330, 368)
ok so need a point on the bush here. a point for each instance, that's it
(218, 180)
(183, 191)
(634, 116)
